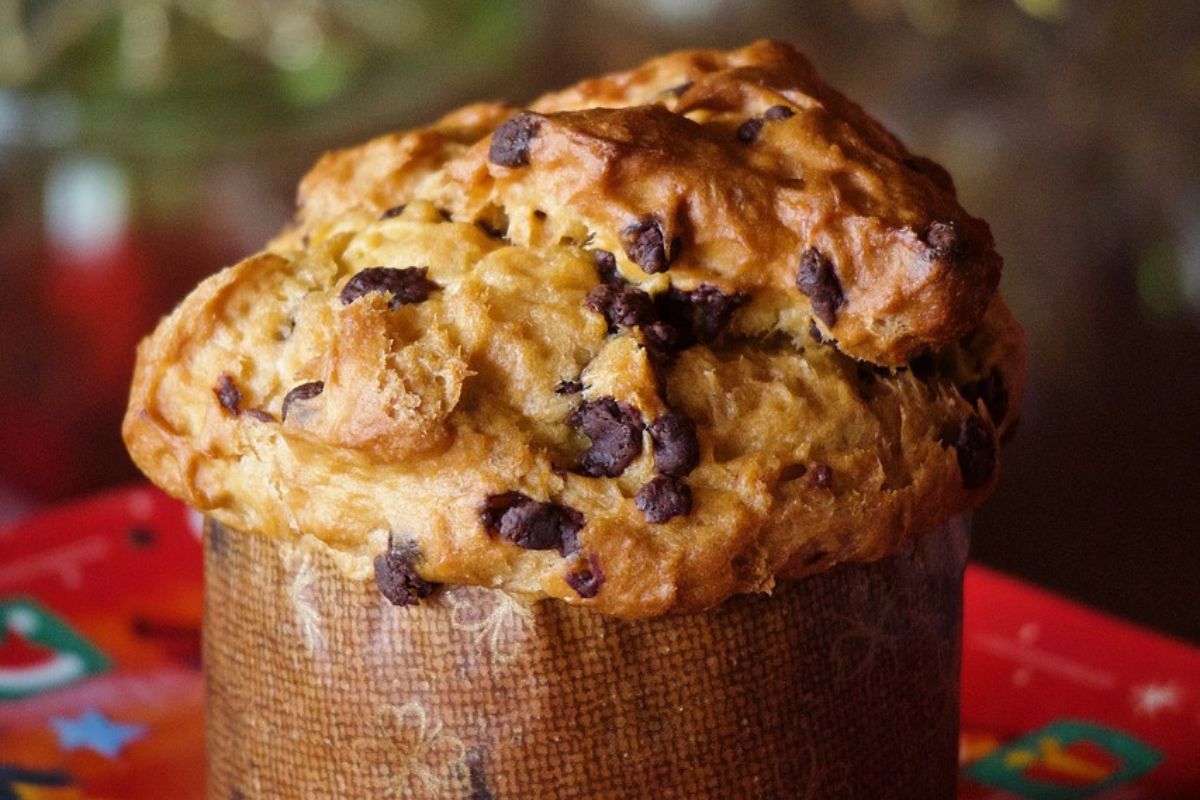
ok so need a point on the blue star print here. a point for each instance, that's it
(97, 732)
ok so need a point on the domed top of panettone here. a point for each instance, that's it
(659, 338)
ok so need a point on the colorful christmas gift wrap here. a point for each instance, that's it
(1060, 702)
(101, 694)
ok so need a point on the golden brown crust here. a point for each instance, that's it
(808, 456)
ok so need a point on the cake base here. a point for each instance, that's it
(844, 684)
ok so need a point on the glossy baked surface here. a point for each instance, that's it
(663, 338)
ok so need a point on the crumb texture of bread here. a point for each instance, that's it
(659, 338)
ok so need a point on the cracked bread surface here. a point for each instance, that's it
(659, 338)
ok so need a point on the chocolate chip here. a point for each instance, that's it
(397, 578)
(664, 498)
(305, 391)
(621, 305)
(816, 279)
(748, 131)
(586, 581)
(530, 524)
(394, 211)
(776, 113)
(606, 266)
(260, 415)
(664, 337)
(699, 314)
(992, 391)
(228, 394)
(646, 245)
(408, 285)
(510, 142)
(944, 241)
(976, 451)
(821, 476)
(676, 449)
(568, 387)
(712, 309)
(494, 507)
(615, 429)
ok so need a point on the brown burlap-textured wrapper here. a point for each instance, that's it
(842, 685)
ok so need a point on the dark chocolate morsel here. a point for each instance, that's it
(615, 429)
(747, 132)
(663, 498)
(587, 581)
(621, 305)
(676, 449)
(510, 142)
(817, 280)
(531, 524)
(699, 314)
(260, 415)
(298, 394)
(408, 285)
(992, 391)
(821, 476)
(712, 309)
(394, 211)
(228, 394)
(976, 451)
(495, 505)
(606, 266)
(776, 113)
(646, 245)
(568, 387)
(944, 241)
(397, 578)
(664, 337)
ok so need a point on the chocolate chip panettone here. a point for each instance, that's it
(660, 338)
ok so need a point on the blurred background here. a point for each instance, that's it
(147, 143)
